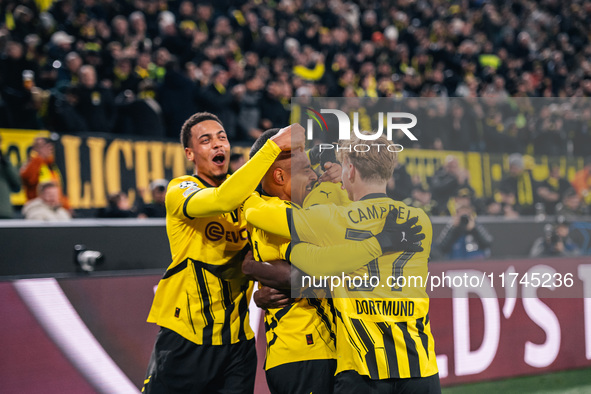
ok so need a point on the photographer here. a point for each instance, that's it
(463, 238)
(556, 241)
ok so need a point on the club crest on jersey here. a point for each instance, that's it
(190, 186)
(186, 184)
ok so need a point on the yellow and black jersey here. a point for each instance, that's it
(327, 193)
(258, 210)
(303, 330)
(383, 331)
(203, 295)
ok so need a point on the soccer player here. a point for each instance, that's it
(384, 340)
(300, 335)
(205, 344)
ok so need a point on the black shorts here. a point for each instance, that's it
(181, 366)
(303, 377)
(351, 382)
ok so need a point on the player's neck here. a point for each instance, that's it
(213, 181)
(362, 189)
(275, 191)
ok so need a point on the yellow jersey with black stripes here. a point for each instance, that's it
(204, 295)
(327, 193)
(303, 330)
(383, 330)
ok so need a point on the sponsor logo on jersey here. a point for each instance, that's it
(214, 231)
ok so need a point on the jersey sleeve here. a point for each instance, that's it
(334, 260)
(310, 226)
(268, 216)
(227, 197)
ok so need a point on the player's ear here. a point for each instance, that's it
(352, 171)
(189, 154)
(279, 176)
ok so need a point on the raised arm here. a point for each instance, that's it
(229, 196)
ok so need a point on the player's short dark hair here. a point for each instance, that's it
(258, 144)
(192, 121)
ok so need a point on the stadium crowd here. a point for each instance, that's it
(143, 66)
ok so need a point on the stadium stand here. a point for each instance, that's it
(247, 58)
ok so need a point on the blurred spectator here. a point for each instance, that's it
(492, 207)
(155, 208)
(174, 92)
(224, 101)
(9, 183)
(59, 45)
(68, 72)
(582, 182)
(118, 207)
(17, 87)
(237, 160)
(572, 206)
(249, 115)
(446, 182)
(464, 196)
(94, 103)
(273, 106)
(517, 187)
(420, 198)
(47, 206)
(63, 116)
(555, 241)
(41, 168)
(550, 137)
(550, 191)
(399, 187)
(463, 237)
(123, 78)
(509, 211)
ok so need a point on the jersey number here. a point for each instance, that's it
(373, 268)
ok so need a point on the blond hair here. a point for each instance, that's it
(373, 161)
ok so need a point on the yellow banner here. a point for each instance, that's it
(94, 166)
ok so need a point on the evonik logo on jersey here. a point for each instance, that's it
(345, 128)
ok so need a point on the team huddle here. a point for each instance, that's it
(274, 221)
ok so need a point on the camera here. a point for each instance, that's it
(86, 259)
(550, 234)
(464, 220)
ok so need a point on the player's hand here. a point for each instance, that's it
(327, 155)
(332, 173)
(291, 137)
(400, 237)
(269, 298)
(247, 264)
